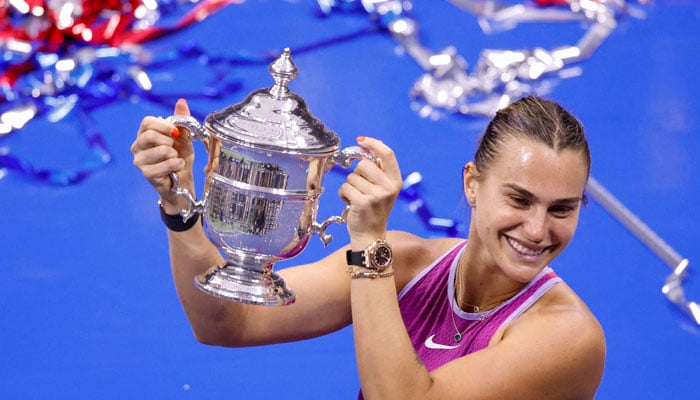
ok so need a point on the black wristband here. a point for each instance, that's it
(175, 222)
(356, 258)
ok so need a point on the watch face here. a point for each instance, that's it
(381, 257)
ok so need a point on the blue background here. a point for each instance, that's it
(87, 306)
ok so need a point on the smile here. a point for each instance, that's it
(524, 250)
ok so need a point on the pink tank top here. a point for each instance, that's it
(427, 304)
(427, 301)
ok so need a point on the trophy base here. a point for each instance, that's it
(245, 285)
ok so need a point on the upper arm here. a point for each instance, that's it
(322, 291)
(558, 355)
(321, 306)
(323, 287)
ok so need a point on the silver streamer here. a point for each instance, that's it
(499, 76)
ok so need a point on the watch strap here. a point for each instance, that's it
(356, 258)
(175, 222)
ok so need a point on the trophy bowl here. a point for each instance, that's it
(267, 158)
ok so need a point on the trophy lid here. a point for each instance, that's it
(275, 118)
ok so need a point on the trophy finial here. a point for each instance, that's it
(283, 71)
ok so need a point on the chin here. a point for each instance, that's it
(524, 271)
(523, 274)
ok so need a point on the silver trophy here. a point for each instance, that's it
(267, 158)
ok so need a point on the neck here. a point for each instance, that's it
(480, 285)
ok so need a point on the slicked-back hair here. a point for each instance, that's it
(533, 118)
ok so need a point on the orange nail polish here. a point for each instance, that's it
(360, 138)
(175, 133)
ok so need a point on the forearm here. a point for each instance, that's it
(212, 320)
(388, 366)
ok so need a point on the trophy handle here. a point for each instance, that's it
(196, 132)
(344, 159)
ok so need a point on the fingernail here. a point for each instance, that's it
(175, 133)
(360, 138)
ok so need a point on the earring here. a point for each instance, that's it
(472, 201)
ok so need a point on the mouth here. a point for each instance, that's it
(526, 251)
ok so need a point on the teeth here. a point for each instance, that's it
(524, 250)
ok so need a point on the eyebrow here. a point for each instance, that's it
(526, 193)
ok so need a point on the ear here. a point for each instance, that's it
(470, 180)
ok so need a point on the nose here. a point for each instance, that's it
(535, 226)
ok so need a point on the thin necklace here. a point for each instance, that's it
(459, 335)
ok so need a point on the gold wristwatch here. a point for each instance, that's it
(377, 256)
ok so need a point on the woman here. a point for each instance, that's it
(483, 318)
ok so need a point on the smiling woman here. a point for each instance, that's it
(432, 318)
(529, 198)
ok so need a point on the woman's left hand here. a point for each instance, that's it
(371, 191)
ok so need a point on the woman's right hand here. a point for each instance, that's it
(160, 148)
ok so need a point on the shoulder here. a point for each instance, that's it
(413, 253)
(555, 350)
(563, 314)
(566, 338)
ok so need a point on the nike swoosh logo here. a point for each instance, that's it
(429, 343)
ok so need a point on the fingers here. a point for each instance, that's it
(158, 149)
(368, 187)
(153, 143)
(385, 172)
(158, 159)
(386, 158)
(155, 131)
(156, 162)
(156, 124)
(371, 190)
(181, 107)
(184, 145)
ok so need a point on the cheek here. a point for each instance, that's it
(490, 221)
(565, 230)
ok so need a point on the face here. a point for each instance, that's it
(526, 206)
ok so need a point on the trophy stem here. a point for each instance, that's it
(245, 284)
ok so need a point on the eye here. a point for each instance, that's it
(561, 211)
(519, 201)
